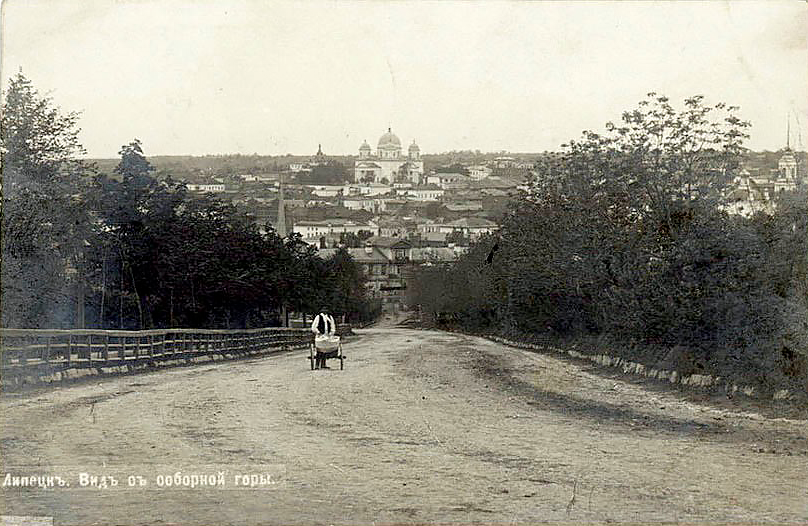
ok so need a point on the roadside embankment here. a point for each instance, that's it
(670, 365)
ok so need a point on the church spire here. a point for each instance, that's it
(788, 133)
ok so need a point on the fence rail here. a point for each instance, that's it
(25, 352)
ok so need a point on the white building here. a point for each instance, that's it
(425, 193)
(329, 190)
(472, 227)
(329, 228)
(299, 167)
(207, 187)
(479, 171)
(756, 194)
(375, 206)
(371, 189)
(448, 180)
(388, 164)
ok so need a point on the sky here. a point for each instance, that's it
(275, 77)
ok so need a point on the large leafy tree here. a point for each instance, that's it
(625, 236)
(348, 288)
(45, 222)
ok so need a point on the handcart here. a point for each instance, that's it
(327, 348)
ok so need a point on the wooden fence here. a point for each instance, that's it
(35, 352)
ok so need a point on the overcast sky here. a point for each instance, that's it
(271, 77)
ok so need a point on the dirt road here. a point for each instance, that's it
(420, 426)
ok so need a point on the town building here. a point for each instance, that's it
(329, 190)
(318, 159)
(425, 193)
(503, 162)
(372, 205)
(755, 192)
(470, 227)
(371, 189)
(330, 229)
(479, 171)
(388, 264)
(448, 181)
(388, 165)
(206, 187)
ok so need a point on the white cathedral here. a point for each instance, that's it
(389, 165)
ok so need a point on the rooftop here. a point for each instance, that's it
(386, 241)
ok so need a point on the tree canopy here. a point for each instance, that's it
(625, 237)
(135, 250)
(44, 221)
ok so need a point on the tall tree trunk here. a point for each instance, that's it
(103, 288)
(120, 318)
(80, 320)
(137, 296)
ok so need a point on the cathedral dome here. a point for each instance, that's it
(414, 147)
(389, 141)
(365, 146)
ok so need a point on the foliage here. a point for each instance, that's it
(455, 168)
(456, 237)
(351, 240)
(145, 252)
(184, 260)
(333, 172)
(624, 237)
(44, 223)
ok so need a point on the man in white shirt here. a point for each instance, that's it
(325, 341)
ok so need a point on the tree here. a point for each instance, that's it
(45, 219)
(133, 163)
(624, 237)
(455, 168)
(351, 240)
(129, 207)
(456, 237)
(333, 172)
(654, 162)
(348, 290)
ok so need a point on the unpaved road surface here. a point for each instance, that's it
(421, 426)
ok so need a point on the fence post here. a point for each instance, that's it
(106, 347)
(47, 349)
(68, 350)
(90, 349)
(137, 347)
